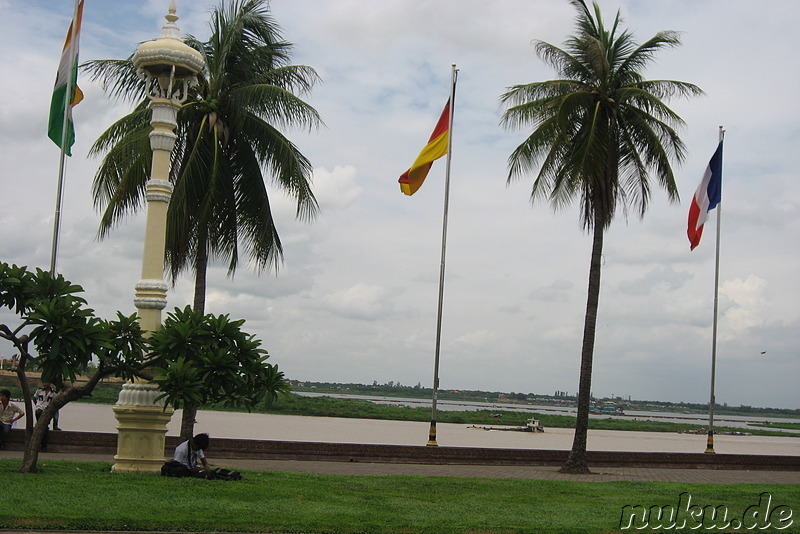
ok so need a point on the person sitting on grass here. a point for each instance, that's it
(187, 455)
(190, 452)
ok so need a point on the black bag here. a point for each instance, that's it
(173, 468)
(225, 474)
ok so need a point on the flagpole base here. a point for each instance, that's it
(710, 444)
(432, 436)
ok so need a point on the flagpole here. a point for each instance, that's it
(432, 432)
(62, 161)
(711, 402)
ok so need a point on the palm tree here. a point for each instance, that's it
(229, 140)
(599, 132)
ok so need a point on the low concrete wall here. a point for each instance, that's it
(106, 443)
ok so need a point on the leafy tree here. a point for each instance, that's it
(229, 140)
(599, 132)
(66, 335)
(209, 359)
(196, 358)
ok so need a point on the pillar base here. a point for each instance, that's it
(141, 431)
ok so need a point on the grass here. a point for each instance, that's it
(86, 496)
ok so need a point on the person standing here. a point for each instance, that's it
(43, 397)
(9, 413)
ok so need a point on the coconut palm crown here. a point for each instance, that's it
(600, 132)
(229, 140)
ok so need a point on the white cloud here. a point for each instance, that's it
(356, 298)
(338, 188)
(748, 306)
(361, 301)
(477, 339)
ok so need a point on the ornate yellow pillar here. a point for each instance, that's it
(168, 67)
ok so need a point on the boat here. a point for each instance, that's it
(606, 408)
(532, 425)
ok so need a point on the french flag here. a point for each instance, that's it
(706, 198)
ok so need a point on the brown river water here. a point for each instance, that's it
(100, 418)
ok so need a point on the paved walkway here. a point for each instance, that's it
(605, 474)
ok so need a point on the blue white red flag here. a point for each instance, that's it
(706, 198)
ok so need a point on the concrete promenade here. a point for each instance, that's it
(542, 472)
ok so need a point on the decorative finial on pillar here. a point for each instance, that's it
(170, 30)
(172, 17)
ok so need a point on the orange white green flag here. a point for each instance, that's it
(412, 179)
(66, 92)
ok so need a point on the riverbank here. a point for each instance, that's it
(83, 417)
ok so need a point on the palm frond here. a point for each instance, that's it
(291, 171)
(229, 142)
(601, 131)
(117, 78)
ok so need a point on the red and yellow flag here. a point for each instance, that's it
(412, 179)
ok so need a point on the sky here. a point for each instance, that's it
(355, 299)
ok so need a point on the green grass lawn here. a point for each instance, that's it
(86, 496)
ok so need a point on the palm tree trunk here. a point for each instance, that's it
(201, 267)
(576, 462)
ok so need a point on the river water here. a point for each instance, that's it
(735, 421)
(100, 418)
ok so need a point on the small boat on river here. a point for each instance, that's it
(532, 425)
(606, 408)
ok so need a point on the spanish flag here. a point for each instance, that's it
(66, 92)
(412, 179)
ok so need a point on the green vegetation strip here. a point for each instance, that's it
(107, 393)
(86, 496)
(332, 407)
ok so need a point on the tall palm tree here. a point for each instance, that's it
(229, 140)
(599, 132)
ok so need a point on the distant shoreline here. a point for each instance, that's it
(407, 392)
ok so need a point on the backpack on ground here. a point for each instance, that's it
(225, 474)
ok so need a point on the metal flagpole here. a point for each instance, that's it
(62, 162)
(710, 441)
(432, 432)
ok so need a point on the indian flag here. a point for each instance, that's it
(66, 92)
(412, 179)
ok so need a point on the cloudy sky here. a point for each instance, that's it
(356, 298)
